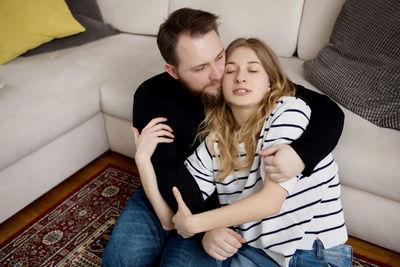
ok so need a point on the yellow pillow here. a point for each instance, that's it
(26, 24)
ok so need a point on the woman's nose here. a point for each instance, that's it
(240, 77)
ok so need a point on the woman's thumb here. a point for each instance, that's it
(177, 195)
(181, 204)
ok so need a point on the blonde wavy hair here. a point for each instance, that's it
(219, 124)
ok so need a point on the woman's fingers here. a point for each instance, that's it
(155, 121)
(164, 140)
(163, 133)
(158, 127)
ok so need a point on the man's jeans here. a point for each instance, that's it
(338, 256)
(138, 239)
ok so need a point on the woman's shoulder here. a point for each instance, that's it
(291, 103)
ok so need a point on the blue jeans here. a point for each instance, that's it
(138, 239)
(338, 256)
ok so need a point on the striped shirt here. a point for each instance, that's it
(312, 208)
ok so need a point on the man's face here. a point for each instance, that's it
(201, 63)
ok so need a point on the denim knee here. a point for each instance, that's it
(338, 256)
(341, 255)
(138, 238)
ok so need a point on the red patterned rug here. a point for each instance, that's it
(75, 231)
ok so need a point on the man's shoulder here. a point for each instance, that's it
(156, 83)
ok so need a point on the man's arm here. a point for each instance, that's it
(323, 131)
(167, 158)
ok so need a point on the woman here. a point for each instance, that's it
(283, 223)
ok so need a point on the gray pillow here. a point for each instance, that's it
(88, 14)
(360, 67)
(87, 8)
(94, 30)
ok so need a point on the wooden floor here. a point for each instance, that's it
(22, 218)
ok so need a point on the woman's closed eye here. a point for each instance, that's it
(253, 69)
(229, 70)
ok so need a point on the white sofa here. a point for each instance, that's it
(61, 110)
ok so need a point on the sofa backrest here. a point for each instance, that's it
(134, 16)
(274, 21)
(316, 26)
(286, 25)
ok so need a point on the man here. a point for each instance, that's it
(188, 41)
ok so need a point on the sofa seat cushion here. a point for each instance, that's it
(49, 94)
(117, 94)
(377, 163)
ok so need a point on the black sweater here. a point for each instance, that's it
(163, 96)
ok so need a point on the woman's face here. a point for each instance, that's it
(245, 81)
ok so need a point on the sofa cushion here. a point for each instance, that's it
(360, 66)
(87, 8)
(365, 153)
(140, 17)
(316, 26)
(88, 14)
(94, 30)
(26, 24)
(49, 94)
(117, 94)
(275, 21)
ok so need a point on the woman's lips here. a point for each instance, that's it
(241, 91)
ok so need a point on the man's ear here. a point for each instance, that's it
(171, 70)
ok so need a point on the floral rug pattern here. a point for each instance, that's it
(74, 232)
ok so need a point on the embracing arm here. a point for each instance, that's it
(323, 131)
(149, 183)
(246, 210)
(155, 132)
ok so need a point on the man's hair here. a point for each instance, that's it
(183, 21)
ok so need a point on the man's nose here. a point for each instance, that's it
(215, 73)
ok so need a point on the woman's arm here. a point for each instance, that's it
(270, 198)
(150, 186)
(146, 142)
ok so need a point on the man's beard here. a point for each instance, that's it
(208, 99)
(211, 99)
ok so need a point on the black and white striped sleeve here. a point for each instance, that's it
(289, 122)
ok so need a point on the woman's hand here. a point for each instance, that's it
(183, 216)
(154, 133)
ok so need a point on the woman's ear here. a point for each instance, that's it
(171, 71)
(268, 86)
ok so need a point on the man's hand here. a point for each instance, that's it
(281, 163)
(222, 243)
(182, 216)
